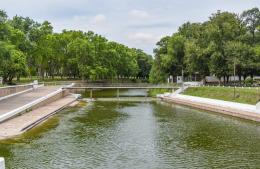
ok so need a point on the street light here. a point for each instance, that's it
(234, 78)
(182, 74)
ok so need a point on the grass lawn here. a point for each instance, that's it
(154, 92)
(30, 80)
(243, 95)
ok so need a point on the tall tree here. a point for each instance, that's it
(251, 18)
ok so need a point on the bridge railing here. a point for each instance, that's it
(123, 85)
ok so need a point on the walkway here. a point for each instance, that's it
(28, 120)
(245, 111)
(15, 102)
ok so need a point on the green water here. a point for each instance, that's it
(139, 135)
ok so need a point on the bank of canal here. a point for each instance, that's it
(136, 135)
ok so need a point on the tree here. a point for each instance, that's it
(251, 19)
(13, 62)
(241, 56)
(144, 63)
(222, 28)
(159, 68)
(196, 58)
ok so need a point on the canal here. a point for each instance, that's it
(135, 135)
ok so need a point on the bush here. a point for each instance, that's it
(249, 81)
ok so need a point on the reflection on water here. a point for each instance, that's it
(136, 135)
(108, 93)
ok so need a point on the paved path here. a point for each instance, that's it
(28, 120)
(15, 102)
(216, 102)
(245, 111)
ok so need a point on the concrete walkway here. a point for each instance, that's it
(245, 111)
(22, 123)
(15, 102)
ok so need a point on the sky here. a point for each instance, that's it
(136, 23)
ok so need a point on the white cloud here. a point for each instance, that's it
(141, 38)
(81, 18)
(139, 14)
(100, 18)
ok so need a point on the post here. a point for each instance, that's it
(234, 80)
(2, 163)
(117, 93)
(258, 96)
(182, 79)
(91, 94)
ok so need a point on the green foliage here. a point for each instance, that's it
(154, 92)
(249, 81)
(214, 47)
(31, 48)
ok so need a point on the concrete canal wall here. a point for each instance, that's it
(27, 116)
(245, 111)
(48, 98)
(2, 163)
(27, 121)
(11, 90)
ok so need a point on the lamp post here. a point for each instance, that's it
(234, 79)
(182, 76)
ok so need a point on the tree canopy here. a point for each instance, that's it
(211, 48)
(29, 48)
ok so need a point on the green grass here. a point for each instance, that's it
(154, 92)
(243, 95)
(29, 80)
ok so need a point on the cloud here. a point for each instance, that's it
(151, 25)
(100, 18)
(139, 14)
(141, 38)
(81, 18)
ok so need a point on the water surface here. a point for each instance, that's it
(136, 135)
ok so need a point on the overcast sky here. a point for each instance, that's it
(136, 23)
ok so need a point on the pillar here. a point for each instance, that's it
(91, 94)
(117, 93)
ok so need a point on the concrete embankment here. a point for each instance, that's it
(26, 121)
(23, 111)
(28, 101)
(245, 111)
(10, 91)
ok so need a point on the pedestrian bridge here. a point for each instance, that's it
(121, 86)
(93, 87)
